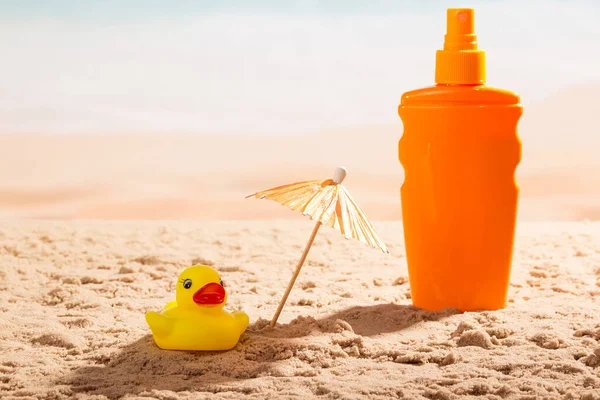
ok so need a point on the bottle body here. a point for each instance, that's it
(459, 150)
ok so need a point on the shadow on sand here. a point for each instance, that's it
(142, 367)
(362, 320)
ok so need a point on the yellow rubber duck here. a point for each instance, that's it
(196, 320)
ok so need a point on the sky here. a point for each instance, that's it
(265, 67)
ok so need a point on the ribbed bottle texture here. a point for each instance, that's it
(460, 67)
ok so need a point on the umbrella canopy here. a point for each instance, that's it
(329, 203)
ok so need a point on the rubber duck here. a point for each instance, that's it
(195, 320)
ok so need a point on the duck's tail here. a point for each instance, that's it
(159, 324)
(242, 320)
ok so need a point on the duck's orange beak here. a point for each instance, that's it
(210, 294)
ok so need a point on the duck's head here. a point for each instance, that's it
(200, 286)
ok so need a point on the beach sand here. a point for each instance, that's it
(85, 251)
(73, 297)
(208, 177)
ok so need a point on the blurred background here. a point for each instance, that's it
(179, 109)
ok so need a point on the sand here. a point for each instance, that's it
(73, 294)
(208, 177)
(73, 297)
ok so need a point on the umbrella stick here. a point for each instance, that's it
(297, 272)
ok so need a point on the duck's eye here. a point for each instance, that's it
(187, 283)
(222, 283)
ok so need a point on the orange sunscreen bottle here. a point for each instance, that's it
(459, 151)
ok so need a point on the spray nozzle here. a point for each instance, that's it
(460, 30)
(460, 62)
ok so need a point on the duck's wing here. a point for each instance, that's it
(242, 320)
(159, 324)
(171, 304)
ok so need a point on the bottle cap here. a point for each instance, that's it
(460, 62)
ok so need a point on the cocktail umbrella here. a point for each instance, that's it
(329, 203)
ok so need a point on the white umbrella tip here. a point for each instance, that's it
(339, 174)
